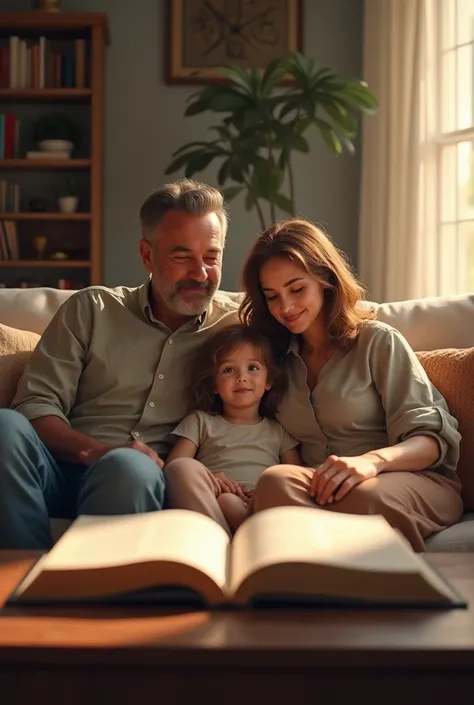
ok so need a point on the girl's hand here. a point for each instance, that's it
(225, 484)
(337, 476)
(248, 495)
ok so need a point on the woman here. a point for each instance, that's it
(376, 435)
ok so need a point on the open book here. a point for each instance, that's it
(286, 553)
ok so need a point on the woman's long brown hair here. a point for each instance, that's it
(305, 244)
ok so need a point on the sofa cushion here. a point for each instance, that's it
(16, 347)
(459, 537)
(432, 323)
(452, 372)
(31, 309)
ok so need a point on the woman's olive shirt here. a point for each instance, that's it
(373, 395)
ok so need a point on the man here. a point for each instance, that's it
(93, 413)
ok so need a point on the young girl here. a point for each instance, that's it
(231, 438)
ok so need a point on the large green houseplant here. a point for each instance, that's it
(261, 124)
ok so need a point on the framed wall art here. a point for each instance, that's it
(203, 34)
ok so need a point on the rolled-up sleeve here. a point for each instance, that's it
(413, 406)
(49, 383)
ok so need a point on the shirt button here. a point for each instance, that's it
(170, 341)
(161, 376)
(152, 404)
(136, 434)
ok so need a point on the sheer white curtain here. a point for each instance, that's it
(397, 235)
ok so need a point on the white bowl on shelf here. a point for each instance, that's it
(52, 146)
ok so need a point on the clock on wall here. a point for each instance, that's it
(203, 34)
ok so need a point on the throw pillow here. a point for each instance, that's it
(452, 372)
(16, 347)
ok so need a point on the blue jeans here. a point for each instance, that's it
(34, 485)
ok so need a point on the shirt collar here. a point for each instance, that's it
(294, 346)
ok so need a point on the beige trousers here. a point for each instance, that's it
(416, 503)
(189, 486)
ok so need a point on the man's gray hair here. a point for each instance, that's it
(184, 195)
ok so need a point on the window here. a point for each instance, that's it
(455, 145)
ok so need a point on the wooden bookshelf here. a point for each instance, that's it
(46, 216)
(43, 163)
(50, 263)
(45, 94)
(38, 22)
(78, 234)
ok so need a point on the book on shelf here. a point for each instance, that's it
(9, 136)
(48, 155)
(10, 196)
(39, 63)
(9, 249)
(284, 555)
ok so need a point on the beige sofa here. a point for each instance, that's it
(441, 330)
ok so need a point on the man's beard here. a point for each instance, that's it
(193, 305)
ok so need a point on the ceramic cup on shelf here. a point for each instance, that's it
(68, 204)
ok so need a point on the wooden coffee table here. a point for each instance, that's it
(326, 656)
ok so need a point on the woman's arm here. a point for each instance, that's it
(291, 457)
(412, 455)
(183, 448)
(413, 407)
(338, 475)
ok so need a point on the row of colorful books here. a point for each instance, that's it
(43, 63)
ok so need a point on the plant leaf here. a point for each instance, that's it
(284, 203)
(255, 83)
(302, 125)
(329, 136)
(199, 106)
(359, 96)
(341, 116)
(183, 159)
(227, 101)
(188, 146)
(237, 75)
(252, 117)
(231, 192)
(223, 173)
(274, 72)
(288, 138)
(267, 180)
(249, 201)
(198, 163)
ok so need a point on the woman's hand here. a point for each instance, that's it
(337, 476)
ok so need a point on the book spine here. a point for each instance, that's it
(2, 136)
(9, 136)
(80, 63)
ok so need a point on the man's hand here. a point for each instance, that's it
(89, 457)
(337, 476)
(223, 484)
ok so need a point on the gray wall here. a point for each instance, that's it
(145, 123)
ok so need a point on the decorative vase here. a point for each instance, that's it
(39, 243)
(68, 204)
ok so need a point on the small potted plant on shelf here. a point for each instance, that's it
(68, 196)
(56, 134)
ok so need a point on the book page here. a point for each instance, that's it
(306, 535)
(174, 535)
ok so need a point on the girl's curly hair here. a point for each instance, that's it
(202, 377)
